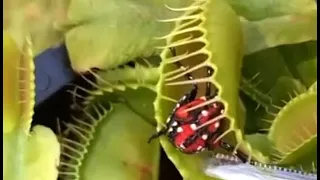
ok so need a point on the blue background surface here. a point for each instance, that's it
(53, 71)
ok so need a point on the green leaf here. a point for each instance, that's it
(275, 31)
(270, 23)
(254, 10)
(84, 11)
(298, 145)
(109, 33)
(41, 16)
(38, 17)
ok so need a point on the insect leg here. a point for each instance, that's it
(208, 93)
(158, 134)
(230, 149)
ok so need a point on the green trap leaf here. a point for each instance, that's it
(202, 38)
(119, 149)
(294, 131)
(27, 156)
(110, 141)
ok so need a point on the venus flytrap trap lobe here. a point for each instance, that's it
(298, 148)
(287, 94)
(18, 101)
(19, 85)
(77, 139)
(98, 143)
(25, 153)
(202, 39)
(139, 76)
(109, 126)
(291, 102)
(143, 75)
(172, 77)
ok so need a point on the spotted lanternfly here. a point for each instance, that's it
(190, 130)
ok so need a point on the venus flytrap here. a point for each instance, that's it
(27, 155)
(202, 38)
(280, 84)
(299, 145)
(108, 140)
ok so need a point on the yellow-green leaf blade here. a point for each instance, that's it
(25, 155)
(270, 23)
(36, 16)
(260, 9)
(18, 82)
(275, 31)
(109, 33)
(11, 107)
